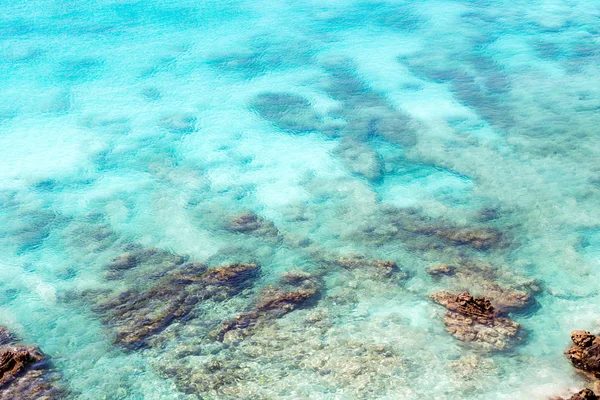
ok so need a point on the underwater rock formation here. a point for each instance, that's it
(252, 223)
(296, 289)
(584, 354)
(477, 276)
(441, 270)
(421, 232)
(480, 238)
(384, 268)
(137, 315)
(367, 113)
(585, 394)
(25, 372)
(289, 112)
(474, 319)
(149, 261)
(359, 158)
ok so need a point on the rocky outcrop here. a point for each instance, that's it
(137, 315)
(475, 320)
(479, 277)
(296, 289)
(25, 372)
(585, 394)
(290, 112)
(149, 262)
(584, 354)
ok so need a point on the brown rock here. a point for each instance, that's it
(135, 316)
(478, 238)
(474, 319)
(585, 394)
(16, 360)
(251, 223)
(149, 262)
(273, 302)
(585, 353)
(25, 372)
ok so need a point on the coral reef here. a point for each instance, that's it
(474, 319)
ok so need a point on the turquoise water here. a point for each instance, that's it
(154, 123)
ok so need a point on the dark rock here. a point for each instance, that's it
(480, 238)
(6, 336)
(251, 223)
(479, 277)
(585, 394)
(288, 111)
(584, 354)
(273, 302)
(150, 262)
(25, 372)
(383, 268)
(441, 269)
(135, 316)
(16, 360)
(474, 319)
(359, 158)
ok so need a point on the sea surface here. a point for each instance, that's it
(294, 135)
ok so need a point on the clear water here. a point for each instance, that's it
(126, 121)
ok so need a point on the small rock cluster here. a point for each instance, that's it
(25, 371)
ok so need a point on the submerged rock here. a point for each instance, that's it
(480, 238)
(359, 158)
(288, 111)
(585, 394)
(25, 372)
(251, 223)
(441, 270)
(137, 315)
(384, 268)
(480, 277)
(474, 319)
(150, 262)
(584, 354)
(273, 302)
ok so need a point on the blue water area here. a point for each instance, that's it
(144, 142)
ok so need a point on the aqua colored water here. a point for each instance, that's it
(153, 123)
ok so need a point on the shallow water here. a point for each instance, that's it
(155, 123)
